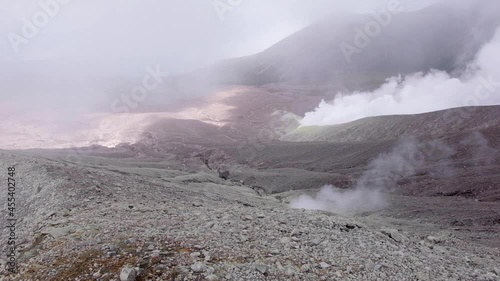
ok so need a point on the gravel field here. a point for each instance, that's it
(125, 219)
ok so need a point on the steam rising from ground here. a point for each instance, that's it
(407, 159)
(368, 193)
(418, 93)
(335, 200)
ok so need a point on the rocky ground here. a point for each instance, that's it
(95, 218)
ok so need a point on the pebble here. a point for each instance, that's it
(212, 277)
(128, 274)
(261, 268)
(247, 218)
(198, 267)
(324, 265)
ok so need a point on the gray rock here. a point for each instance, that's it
(476, 261)
(315, 242)
(247, 218)
(142, 262)
(324, 265)
(212, 277)
(350, 226)
(433, 239)
(275, 252)
(195, 254)
(285, 240)
(160, 268)
(128, 274)
(198, 267)
(394, 234)
(295, 232)
(289, 271)
(305, 268)
(262, 268)
(379, 266)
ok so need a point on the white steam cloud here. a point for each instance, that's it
(368, 193)
(335, 200)
(409, 159)
(418, 93)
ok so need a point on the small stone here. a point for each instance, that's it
(160, 268)
(433, 239)
(379, 266)
(394, 234)
(295, 232)
(285, 240)
(289, 271)
(198, 267)
(96, 275)
(476, 261)
(305, 268)
(212, 277)
(128, 274)
(261, 216)
(324, 265)
(316, 242)
(142, 262)
(350, 226)
(261, 268)
(195, 254)
(210, 270)
(197, 204)
(156, 254)
(247, 218)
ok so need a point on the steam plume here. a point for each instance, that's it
(368, 193)
(418, 93)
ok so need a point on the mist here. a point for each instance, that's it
(418, 93)
(368, 193)
(65, 66)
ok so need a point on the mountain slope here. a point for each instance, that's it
(434, 124)
(441, 37)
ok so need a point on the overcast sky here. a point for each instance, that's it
(181, 33)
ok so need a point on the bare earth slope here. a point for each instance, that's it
(158, 207)
(434, 124)
(95, 218)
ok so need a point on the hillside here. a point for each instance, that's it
(433, 124)
(431, 38)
